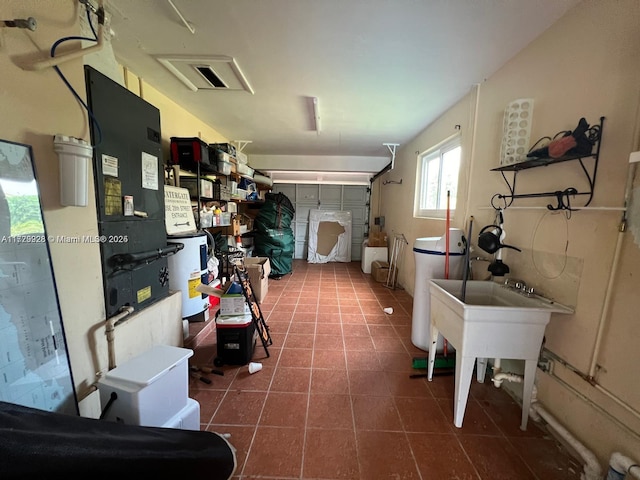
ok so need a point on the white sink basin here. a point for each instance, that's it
(484, 297)
(492, 322)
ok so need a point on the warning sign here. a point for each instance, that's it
(178, 213)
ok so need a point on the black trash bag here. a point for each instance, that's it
(35, 444)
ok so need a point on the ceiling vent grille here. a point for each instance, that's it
(218, 72)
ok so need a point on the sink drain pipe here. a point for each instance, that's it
(591, 468)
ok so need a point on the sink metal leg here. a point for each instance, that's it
(528, 381)
(481, 369)
(464, 372)
(432, 351)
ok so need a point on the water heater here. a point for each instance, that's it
(187, 269)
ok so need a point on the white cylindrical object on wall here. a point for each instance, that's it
(73, 154)
(429, 254)
(186, 269)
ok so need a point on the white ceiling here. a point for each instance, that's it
(381, 69)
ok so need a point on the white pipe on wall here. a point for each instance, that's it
(110, 328)
(509, 377)
(621, 466)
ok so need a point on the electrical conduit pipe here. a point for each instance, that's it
(110, 328)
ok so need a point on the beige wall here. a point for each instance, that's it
(587, 64)
(37, 105)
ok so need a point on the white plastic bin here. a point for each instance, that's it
(371, 254)
(151, 388)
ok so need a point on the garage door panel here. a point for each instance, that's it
(354, 194)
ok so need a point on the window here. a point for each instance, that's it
(438, 173)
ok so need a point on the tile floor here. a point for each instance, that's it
(334, 400)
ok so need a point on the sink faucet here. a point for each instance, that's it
(519, 285)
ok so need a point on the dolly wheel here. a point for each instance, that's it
(217, 362)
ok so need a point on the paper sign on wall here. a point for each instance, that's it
(149, 171)
(178, 216)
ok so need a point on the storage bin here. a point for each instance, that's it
(151, 388)
(225, 147)
(189, 152)
(244, 170)
(191, 184)
(224, 167)
(221, 192)
(241, 157)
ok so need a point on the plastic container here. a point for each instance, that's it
(224, 167)
(151, 388)
(73, 154)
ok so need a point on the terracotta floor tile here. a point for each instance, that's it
(209, 401)
(440, 457)
(276, 452)
(298, 326)
(377, 319)
(280, 316)
(328, 328)
(283, 308)
(385, 455)
(376, 413)
(328, 342)
(330, 411)
(368, 382)
(396, 362)
(330, 454)
(383, 331)
(299, 340)
(240, 408)
(259, 381)
(329, 381)
(326, 317)
(388, 344)
(442, 386)
(307, 317)
(422, 415)
(359, 329)
(357, 318)
(401, 385)
(547, 459)
(285, 409)
(288, 379)
(333, 359)
(240, 439)
(476, 421)
(353, 343)
(495, 458)
(507, 416)
(329, 309)
(295, 357)
(362, 360)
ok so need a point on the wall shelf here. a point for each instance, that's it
(563, 197)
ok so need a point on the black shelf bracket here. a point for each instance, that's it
(563, 197)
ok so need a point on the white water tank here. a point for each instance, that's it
(187, 269)
(429, 254)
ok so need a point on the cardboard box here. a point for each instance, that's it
(259, 269)
(377, 239)
(328, 233)
(233, 303)
(379, 271)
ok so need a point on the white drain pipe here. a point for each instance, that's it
(592, 469)
(621, 466)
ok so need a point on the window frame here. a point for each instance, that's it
(436, 151)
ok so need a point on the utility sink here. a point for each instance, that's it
(494, 321)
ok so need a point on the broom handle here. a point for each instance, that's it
(445, 346)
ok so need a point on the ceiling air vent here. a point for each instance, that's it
(217, 72)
